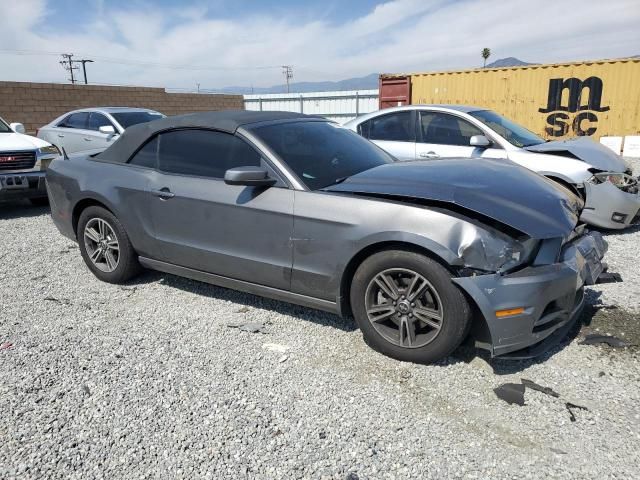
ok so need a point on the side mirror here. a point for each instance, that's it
(479, 141)
(248, 176)
(17, 127)
(107, 130)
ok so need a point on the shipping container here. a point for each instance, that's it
(593, 98)
(394, 91)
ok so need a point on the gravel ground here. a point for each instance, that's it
(149, 381)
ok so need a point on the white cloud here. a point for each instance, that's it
(398, 35)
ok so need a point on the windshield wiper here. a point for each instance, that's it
(341, 179)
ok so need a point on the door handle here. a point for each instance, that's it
(429, 155)
(163, 193)
(88, 139)
(60, 135)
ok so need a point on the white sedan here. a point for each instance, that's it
(598, 175)
(93, 128)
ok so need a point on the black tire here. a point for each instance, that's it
(39, 201)
(127, 260)
(452, 305)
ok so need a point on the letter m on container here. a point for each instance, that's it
(558, 121)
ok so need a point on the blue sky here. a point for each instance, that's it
(68, 13)
(217, 43)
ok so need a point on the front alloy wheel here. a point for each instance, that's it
(407, 307)
(404, 307)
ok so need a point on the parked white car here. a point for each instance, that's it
(93, 128)
(23, 163)
(602, 178)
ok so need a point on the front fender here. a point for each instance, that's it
(444, 252)
(570, 170)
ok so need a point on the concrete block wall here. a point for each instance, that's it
(36, 104)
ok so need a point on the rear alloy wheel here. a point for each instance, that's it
(408, 308)
(105, 246)
(102, 245)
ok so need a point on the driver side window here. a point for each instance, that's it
(204, 153)
(445, 129)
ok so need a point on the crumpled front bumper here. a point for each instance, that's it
(606, 206)
(552, 297)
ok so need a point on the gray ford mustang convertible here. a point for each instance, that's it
(300, 209)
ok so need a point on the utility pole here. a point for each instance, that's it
(67, 64)
(84, 68)
(287, 71)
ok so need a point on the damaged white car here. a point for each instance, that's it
(598, 175)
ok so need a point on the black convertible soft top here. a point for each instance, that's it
(225, 120)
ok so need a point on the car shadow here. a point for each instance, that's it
(243, 299)
(466, 353)
(21, 209)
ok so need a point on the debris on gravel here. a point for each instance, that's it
(539, 388)
(512, 393)
(571, 407)
(148, 381)
(274, 347)
(251, 327)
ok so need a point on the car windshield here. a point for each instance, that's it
(512, 132)
(321, 153)
(126, 119)
(4, 128)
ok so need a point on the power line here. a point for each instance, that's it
(29, 52)
(141, 63)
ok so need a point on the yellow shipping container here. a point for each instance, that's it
(595, 98)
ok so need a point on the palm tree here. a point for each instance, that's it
(486, 53)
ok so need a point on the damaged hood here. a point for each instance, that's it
(498, 189)
(587, 150)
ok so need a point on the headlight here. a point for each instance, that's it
(49, 150)
(620, 180)
(494, 251)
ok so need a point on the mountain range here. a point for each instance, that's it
(368, 82)
(359, 83)
(508, 62)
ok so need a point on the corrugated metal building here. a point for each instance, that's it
(340, 106)
(595, 98)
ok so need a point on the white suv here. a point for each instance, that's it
(93, 128)
(23, 164)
